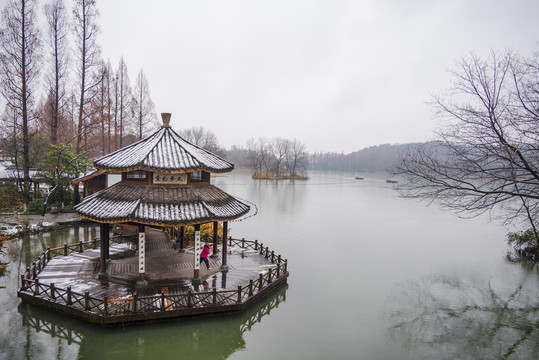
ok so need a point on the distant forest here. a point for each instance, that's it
(374, 158)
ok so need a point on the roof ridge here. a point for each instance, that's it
(154, 145)
(126, 148)
(199, 148)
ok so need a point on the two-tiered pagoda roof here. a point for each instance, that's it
(187, 203)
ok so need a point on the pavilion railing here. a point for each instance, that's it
(105, 307)
(76, 335)
(47, 255)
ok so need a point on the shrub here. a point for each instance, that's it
(524, 240)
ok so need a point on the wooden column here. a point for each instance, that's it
(224, 265)
(103, 230)
(141, 256)
(196, 275)
(181, 236)
(215, 240)
(223, 280)
(107, 243)
(76, 194)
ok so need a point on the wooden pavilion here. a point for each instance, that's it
(165, 183)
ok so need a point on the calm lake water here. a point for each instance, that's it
(372, 276)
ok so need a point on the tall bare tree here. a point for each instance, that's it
(102, 106)
(124, 99)
(143, 104)
(487, 154)
(19, 59)
(57, 61)
(86, 30)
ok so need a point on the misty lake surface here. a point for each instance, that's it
(372, 276)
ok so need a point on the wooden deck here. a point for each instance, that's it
(68, 281)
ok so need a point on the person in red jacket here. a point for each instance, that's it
(204, 255)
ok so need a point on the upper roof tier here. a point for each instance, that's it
(163, 151)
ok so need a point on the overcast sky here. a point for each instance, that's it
(337, 75)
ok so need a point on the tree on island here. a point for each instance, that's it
(487, 157)
(274, 154)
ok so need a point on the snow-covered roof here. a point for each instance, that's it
(90, 174)
(161, 206)
(163, 151)
(9, 171)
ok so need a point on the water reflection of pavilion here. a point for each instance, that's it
(188, 339)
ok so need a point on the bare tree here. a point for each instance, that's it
(487, 154)
(255, 157)
(123, 100)
(102, 104)
(143, 104)
(202, 137)
(86, 30)
(57, 46)
(19, 59)
(296, 158)
(279, 148)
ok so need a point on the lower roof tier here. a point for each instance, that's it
(161, 206)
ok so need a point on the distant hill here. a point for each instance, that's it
(374, 158)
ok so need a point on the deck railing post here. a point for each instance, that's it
(80, 246)
(189, 295)
(162, 301)
(135, 303)
(256, 245)
(214, 296)
(269, 275)
(34, 272)
(250, 287)
(28, 272)
(65, 249)
(87, 301)
(94, 243)
(49, 254)
(52, 291)
(272, 256)
(239, 294)
(285, 265)
(23, 283)
(260, 281)
(230, 241)
(279, 266)
(36, 287)
(106, 305)
(261, 248)
(267, 252)
(69, 300)
(243, 243)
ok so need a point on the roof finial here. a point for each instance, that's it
(166, 119)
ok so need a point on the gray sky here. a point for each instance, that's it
(337, 75)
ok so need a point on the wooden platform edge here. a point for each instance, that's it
(151, 317)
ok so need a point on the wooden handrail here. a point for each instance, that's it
(121, 306)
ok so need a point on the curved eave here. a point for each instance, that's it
(152, 223)
(166, 170)
(161, 206)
